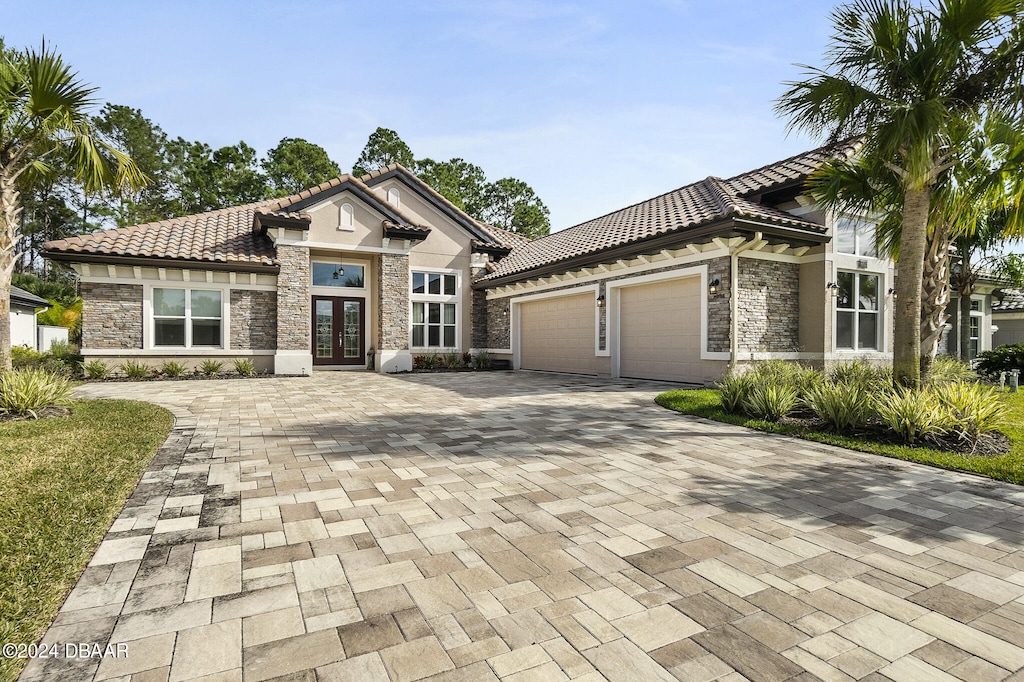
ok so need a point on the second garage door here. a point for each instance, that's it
(557, 334)
(659, 331)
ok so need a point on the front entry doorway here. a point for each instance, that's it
(338, 331)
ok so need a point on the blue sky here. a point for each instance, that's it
(595, 104)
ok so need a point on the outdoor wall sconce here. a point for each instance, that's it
(600, 301)
(892, 292)
(713, 286)
(504, 313)
(832, 288)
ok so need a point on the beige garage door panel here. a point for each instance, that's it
(557, 334)
(659, 331)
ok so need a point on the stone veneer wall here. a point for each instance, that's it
(769, 307)
(293, 298)
(498, 323)
(253, 319)
(111, 315)
(393, 309)
(719, 308)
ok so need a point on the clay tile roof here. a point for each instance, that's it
(224, 236)
(691, 206)
(1012, 301)
(789, 171)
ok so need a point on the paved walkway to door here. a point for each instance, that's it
(350, 526)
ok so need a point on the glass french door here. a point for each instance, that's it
(338, 331)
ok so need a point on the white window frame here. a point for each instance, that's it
(978, 315)
(862, 243)
(395, 197)
(857, 312)
(151, 317)
(442, 299)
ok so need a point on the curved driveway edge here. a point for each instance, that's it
(528, 526)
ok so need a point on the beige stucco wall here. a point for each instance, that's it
(324, 218)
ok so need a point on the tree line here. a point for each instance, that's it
(186, 177)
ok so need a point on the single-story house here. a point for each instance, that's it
(24, 308)
(368, 272)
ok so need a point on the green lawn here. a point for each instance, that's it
(1009, 467)
(63, 481)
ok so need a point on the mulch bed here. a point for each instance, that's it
(52, 411)
(992, 444)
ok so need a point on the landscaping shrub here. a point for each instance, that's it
(22, 357)
(911, 414)
(467, 359)
(170, 368)
(430, 361)
(481, 360)
(782, 373)
(451, 361)
(947, 368)
(1001, 359)
(843, 405)
(211, 367)
(245, 367)
(26, 391)
(133, 369)
(95, 369)
(770, 401)
(973, 409)
(860, 373)
(735, 389)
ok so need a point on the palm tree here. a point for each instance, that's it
(44, 121)
(905, 78)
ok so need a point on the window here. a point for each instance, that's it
(855, 236)
(346, 217)
(857, 319)
(975, 322)
(338, 275)
(433, 325)
(394, 198)
(433, 283)
(186, 318)
(434, 310)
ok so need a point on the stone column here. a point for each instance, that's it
(294, 333)
(393, 314)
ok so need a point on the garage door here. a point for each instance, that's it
(557, 334)
(659, 331)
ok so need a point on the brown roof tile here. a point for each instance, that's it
(227, 235)
(698, 204)
(224, 236)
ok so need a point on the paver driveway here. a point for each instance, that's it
(533, 527)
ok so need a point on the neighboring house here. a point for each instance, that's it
(24, 308)
(984, 328)
(1008, 317)
(676, 287)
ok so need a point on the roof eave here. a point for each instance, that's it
(700, 234)
(156, 262)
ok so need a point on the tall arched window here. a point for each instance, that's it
(394, 198)
(346, 217)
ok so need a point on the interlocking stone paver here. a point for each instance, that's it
(351, 526)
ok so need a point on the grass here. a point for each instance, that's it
(707, 403)
(62, 482)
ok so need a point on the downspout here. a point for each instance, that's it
(734, 286)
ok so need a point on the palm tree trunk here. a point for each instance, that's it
(934, 296)
(9, 210)
(906, 361)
